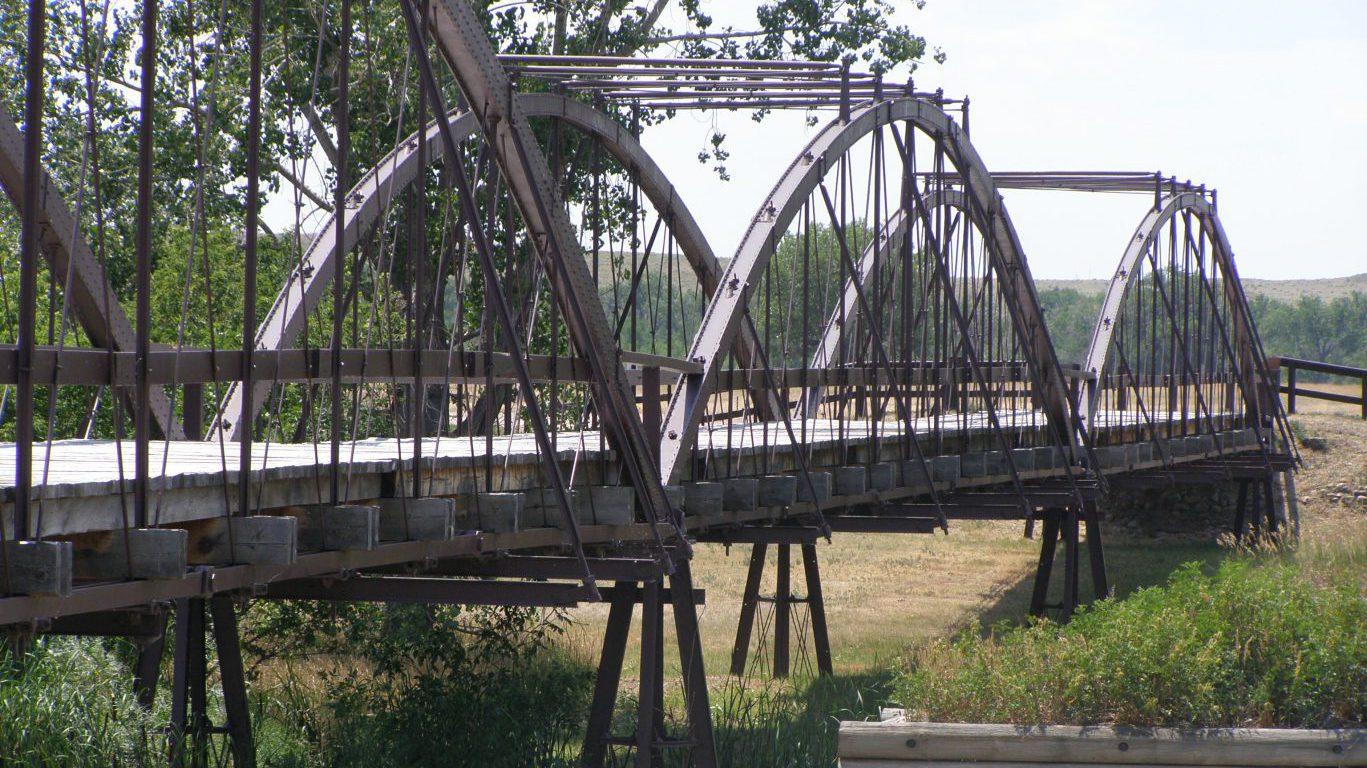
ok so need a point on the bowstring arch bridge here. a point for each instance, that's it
(507, 368)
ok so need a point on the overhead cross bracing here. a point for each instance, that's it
(507, 367)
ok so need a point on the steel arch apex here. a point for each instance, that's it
(724, 313)
(396, 171)
(1099, 349)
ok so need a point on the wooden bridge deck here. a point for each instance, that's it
(86, 485)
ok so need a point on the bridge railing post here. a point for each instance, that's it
(1290, 386)
(650, 407)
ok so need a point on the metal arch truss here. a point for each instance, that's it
(1238, 342)
(726, 312)
(96, 306)
(459, 37)
(307, 283)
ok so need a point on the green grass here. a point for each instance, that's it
(1131, 565)
(791, 724)
(1258, 642)
(68, 702)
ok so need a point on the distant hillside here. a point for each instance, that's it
(1328, 288)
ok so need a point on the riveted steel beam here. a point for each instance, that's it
(1239, 337)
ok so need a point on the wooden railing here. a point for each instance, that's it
(1291, 365)
(896, 742)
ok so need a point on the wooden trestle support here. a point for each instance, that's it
(783, 601)
(651, 738)
(190, 729)
(1064, 525)
(1256, 515)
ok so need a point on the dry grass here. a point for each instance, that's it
(886, 592)
(882, 591)
(1308, 405)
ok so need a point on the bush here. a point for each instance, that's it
(69, 702)
(419, 686)
(1254, 644)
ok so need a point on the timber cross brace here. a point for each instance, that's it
(509, 369)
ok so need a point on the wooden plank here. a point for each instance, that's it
(144, 624)
(613, 505)
(850, 481)
(740, 493)
(920, 742)
(881, 763)
(703, 498)
(882, 476)
(777, 491)
(254, 540)
(36, 568)
(496, 512)
(821, 483)
(141, 553)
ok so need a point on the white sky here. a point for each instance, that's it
(1264, 99)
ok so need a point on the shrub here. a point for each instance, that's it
(419, 686)
(1254, 644)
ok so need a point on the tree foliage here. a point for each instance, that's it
(1333, 331)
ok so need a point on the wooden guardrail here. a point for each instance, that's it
(1291, 365)
(896, 742)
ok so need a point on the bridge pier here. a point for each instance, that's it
(783, 601)
(190, 727)
(1257, 517)
(1064, 525)
(650, 738)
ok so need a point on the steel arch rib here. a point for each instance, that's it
(370, 196)
(462, 42)
(1099, 349)
(722, 319)
(71, 259)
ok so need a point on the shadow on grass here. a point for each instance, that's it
(792, 723)
(768, 723)
(1131, 564)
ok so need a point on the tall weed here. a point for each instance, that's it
(69, 702)
(419, 686)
